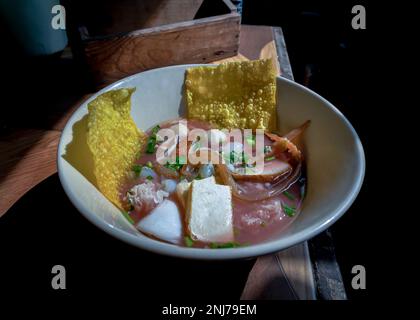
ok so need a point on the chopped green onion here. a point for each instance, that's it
(289, 211)
(250, 140)
(149, 164)
(188, 241)
(270, 158)
(137, 169)
(127, 216)
(232, 156)
(179, 162)
(235, 157)
(215, 245)
(149, 178)
(151, 143)
(156, 129)
(289, 195)
(245, 157)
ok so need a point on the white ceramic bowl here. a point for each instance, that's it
(334, 155)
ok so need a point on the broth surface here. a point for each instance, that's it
(253, 221)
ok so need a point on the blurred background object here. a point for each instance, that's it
(30, 24)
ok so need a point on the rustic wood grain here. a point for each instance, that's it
(127, 15)
(267, 281)
(296, 263)
(113, 58)
(256, 42)
(27, 157)
(253, 39)
(285, 275)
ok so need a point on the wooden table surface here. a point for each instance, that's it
(28, 156)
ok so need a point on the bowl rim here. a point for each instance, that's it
(217, 254)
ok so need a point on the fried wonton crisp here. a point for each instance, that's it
(114, 140)
(233, 94)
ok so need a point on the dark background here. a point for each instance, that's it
(326, 54)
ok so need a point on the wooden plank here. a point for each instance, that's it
(329, 281)
(256, 42)
(27, 157)
(297, 266)
(198, 41)
(127, 15)
(253, 39)
(285, 275)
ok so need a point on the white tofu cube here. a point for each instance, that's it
(183, 188)
(209, 213)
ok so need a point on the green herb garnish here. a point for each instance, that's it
(250, 140)
(270, 158)
(149, 178)
(245, 157)
(289, 211)
(127, 216)
(188, 241)
(179, 162)
(237, 157)
(289, 195)
(151, 143)
(226, 245)
(137, 169)
(156, 129)
(232, 157)
(149, 164)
